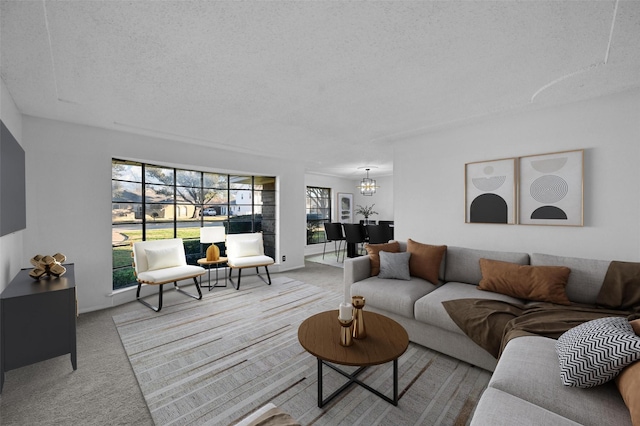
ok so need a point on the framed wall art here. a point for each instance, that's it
(345, 207)
(551, 189)
(490, 191)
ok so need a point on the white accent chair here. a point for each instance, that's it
(247, 251)
(159, 262)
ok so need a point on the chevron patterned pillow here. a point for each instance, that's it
(596, 351)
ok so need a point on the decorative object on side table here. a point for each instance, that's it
(212, 235)
(47, 266)
(345, 317)
(359, 331)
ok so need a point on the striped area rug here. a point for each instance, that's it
(214, 361)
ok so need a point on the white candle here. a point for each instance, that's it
(346, 311)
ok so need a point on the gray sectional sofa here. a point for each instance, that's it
(525, 388)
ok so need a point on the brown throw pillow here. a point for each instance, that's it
(628, 383)
(425, 260)
(374, 256)
(539, 283)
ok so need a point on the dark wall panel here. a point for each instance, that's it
(13, 214)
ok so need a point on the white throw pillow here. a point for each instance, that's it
(247, 248)
(394, 265)
(161, 258)
(596, 351)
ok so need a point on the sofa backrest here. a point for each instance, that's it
(585, 279)
(463, 264)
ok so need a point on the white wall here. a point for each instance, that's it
(69, 196)
(429, 179)
(11, 245)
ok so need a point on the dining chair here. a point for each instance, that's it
(333, 232)
(355, 234)
(388, 224)
(378, 234)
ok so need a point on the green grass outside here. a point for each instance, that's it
(122, 254)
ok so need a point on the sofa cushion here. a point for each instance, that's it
(628, 383)
(374, 249)
(429, 309)
(595, 352)
(394, 265)
(396, 296)
(539, 283)
(528, 369)
(425, 260)
(463, 264)
(513, 411)
(586, 275)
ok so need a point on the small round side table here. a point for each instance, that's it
(209, 263)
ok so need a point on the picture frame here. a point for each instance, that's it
(345, 207)
(490, 191)
(552, 189)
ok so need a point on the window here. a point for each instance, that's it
(150, 202)
(318, 212)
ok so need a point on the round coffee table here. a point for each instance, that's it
(386, 340)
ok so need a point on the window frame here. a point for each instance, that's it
(317, 215)
(185, 206)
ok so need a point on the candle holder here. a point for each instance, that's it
(359, 331)
(345, 332)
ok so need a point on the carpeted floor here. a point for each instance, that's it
(104, 390)
(216, 361)
(328, 259)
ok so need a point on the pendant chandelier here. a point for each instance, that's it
(368, 186)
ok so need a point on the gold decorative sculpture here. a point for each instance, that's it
(359, 331)
(48, 266)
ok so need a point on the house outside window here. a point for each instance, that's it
(150, 202)
(318, 212)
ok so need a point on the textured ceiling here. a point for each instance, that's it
(332, 84)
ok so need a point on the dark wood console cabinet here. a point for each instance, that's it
(37, 320)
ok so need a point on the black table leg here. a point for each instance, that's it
(354, 380)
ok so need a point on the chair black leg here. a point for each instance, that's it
(339, 249)
(237, 287)
(148, 305)
(198, 297)
(267, 281)
(324, 247)
(268, 276)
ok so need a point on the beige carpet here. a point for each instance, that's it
(216, 361)
(328, 259)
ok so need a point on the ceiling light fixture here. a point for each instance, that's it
(368, 186)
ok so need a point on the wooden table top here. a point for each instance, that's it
(386, 340)
(204, 261)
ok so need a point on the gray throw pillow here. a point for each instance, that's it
(394, 265)
(596, 351)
